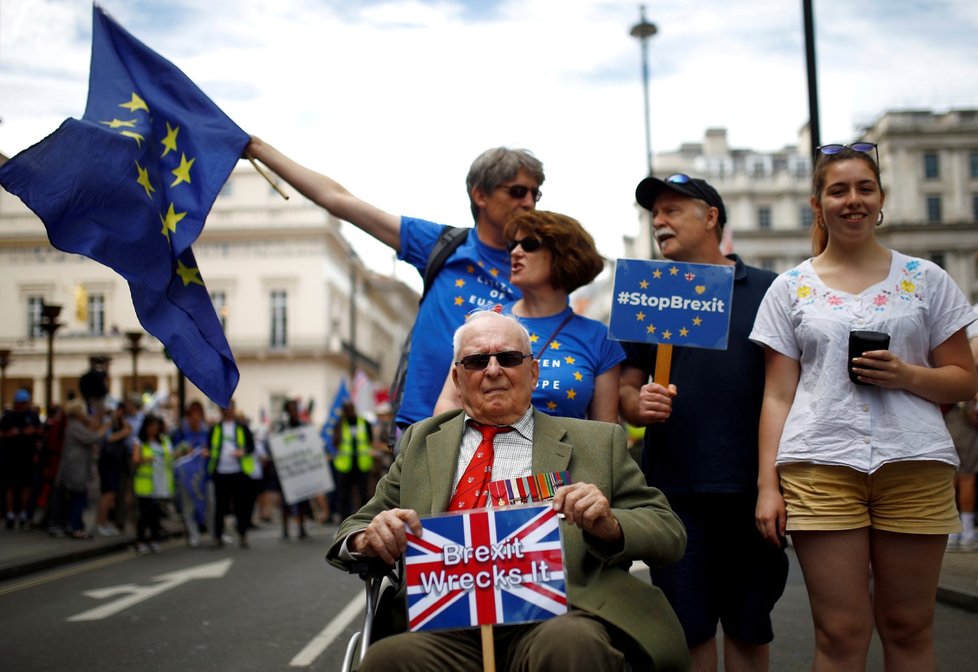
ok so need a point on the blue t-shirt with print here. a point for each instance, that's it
(572, 361)
(474, 276)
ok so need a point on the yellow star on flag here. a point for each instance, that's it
(459, 300)
(578, 376)
(135, 136)
(460, 283)
(493, 272)
(551, 405)
(644, 284)
(673, 271)
(651, 329)
(684, 331)
(135, 103)
(188, 274)
(569, 359)
(640, 316)
(470, 268)
(554, 345)
(170, 221)
(534, 338)
(120, 123)
(170, 141)
(182, 172)
(657, 274)
(666, 335)
(697, 320)
(143, 180)
(571, 394)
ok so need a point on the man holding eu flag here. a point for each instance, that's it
(130, 184)
(701, 444)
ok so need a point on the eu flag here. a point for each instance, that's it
(335, 413)
(130, 184)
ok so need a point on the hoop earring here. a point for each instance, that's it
(879, 222)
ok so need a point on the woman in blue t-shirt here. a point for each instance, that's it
(551, 255)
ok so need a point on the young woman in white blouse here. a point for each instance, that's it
(861, 475)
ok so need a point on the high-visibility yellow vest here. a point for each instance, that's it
(217, 439)
(142, 478)
(344, 452)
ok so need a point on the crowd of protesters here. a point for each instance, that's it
(135, 464)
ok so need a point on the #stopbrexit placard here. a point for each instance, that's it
(672, 303)
(485, 567)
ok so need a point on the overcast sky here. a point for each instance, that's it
(394, 98)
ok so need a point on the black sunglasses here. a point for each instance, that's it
(528, 244)
(507, 359)
(864, 147)
(683, 178)
(519, 191)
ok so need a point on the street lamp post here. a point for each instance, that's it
(4, 361)
(643, 30)
(134, 349)
(49, 324)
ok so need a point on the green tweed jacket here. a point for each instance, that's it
(598, 579)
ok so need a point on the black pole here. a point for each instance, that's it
(353, 315)
(814, 132)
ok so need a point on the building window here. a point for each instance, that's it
(937, 258)
(35, 310)
(974, 165)
(96, 315)
(767, 263)
(933, 209)
(807, 216)
(279, 303)
(220, 302)
(764, 218)
(932, 166)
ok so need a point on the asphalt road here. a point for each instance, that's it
(276, 606)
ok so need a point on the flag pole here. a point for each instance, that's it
(488, 649)
(267, 177)
(663, 362)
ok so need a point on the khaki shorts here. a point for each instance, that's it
(914, 497)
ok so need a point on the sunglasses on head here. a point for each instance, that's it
(683, 178)
(519, 191)
(507, 359)
(864, 147)
(528, 244)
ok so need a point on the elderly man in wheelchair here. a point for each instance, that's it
(610, 517)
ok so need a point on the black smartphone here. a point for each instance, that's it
(864, 341)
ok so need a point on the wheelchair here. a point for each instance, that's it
(381, 583)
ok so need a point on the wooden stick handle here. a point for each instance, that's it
(267, 177)
(488, 649)
(663, 362)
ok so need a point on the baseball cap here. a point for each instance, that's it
(21, 396)
(649, 189)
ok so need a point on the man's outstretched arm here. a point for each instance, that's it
(329, 194)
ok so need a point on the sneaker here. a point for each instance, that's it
(953, 542)
(107, 531)
(154, 547)
(142, 548)
(968, 544)
(227, 539)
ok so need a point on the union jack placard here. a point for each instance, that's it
(485, 567)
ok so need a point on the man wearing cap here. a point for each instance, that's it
(20, 432)
(701, 444)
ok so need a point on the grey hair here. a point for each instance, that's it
(497, 165)
(481, 315)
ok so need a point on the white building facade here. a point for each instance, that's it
(287, 286)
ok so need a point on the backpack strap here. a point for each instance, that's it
(448, 241)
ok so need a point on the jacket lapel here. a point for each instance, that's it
(550, 453)
(443, 447)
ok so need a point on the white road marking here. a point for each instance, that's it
(333, 629)
(135, 594)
